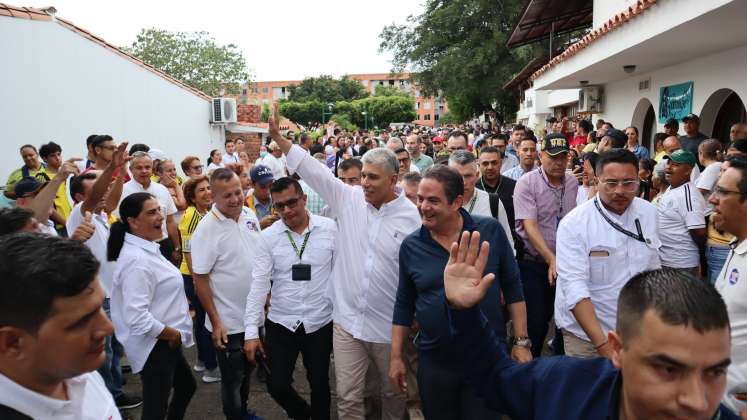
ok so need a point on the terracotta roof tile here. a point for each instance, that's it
(611, 24)
(36, 14)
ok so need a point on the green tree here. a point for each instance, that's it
(265, 113)
(385, 110)
(458, 48)
(194, 58)
(390, 91)
(327, 89)
(303, 113)
(448, 118)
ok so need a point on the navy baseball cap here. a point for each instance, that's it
(261, 175)
(27, 185)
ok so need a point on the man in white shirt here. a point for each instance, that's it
(52, 331)
(141, 166)
(274, 160)
(231, 155)
(681, 210)
(224, 246)
(729, 199)
(373, 221)
(527, 152)
(295, 257)
(601, 245)
(477, 201)
(94, 195)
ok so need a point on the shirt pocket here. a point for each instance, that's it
(599, 267)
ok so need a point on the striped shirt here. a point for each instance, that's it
(187, 226)
(680, 210)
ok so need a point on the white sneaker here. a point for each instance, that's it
(211, 375)
(199, 367)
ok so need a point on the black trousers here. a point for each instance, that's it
(166, 369)
(283, 346)
(235, 371)
(539, 297)
(445, 393)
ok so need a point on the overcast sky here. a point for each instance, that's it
(280, 39)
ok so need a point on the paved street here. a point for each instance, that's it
(206, 402)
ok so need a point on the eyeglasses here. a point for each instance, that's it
(291, 203)
(627, 185)
(721, 192)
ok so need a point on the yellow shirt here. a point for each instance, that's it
(659, 155)
(61, 203)
(716, 238)
(187, 226)
(17, 175)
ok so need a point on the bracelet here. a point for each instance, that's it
(601, 345)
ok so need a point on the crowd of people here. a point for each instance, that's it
(440, 270)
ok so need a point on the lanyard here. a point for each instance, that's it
(295, 247)
(560, 198)
(497, 187)
(637, 236)
(472, 202)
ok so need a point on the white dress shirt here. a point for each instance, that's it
(148, 296)
(294, 303)
(366, 270)
(157, 190)
(225, 250)
(96, 243)
(276, 165)
(732, 284)
(594, 260)
(680, 209)
(232, 158)
(88, 400)
(479, 204)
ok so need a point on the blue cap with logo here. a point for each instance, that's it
(261, 175)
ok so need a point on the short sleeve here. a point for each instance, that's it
(203, 249)
(524, 204)
(695, 204)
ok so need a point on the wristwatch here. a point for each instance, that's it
(522, 342)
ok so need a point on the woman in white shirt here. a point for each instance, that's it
(215, 160)
(149, 308)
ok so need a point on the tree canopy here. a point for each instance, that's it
(194, 58)
(458, 48)
(327, 89)
(380, 111)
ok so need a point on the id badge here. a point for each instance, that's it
(301, 272)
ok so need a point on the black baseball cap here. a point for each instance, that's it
(672, 122)
(555, 144)
(691, 116)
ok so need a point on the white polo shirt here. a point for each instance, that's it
(732, 284)
(595, 260)
(680, 209)
(225, 250)
(157, 190)
(89, 400)
(294, 303)
(147, 296)
(479, 205)
(96, 243)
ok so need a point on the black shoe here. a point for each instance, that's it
(125, 401)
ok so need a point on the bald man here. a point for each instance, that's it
(672, 144)
(738, 131)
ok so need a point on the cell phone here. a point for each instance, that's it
(578, 162)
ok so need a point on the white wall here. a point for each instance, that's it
(726, 69)
(605, 9)
(58, 86)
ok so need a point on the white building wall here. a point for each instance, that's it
(726, 69)
(605, 9)
(59, 86)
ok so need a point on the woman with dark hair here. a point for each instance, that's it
(588, 187)
(645, 173)
(214, 160)
(149, 308)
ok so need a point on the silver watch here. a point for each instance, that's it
(522, 342)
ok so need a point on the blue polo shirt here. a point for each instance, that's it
(559, 387)
(420, 293)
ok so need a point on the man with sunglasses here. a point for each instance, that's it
(294, 261)
(601, 245)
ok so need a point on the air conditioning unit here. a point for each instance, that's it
(223, 111)
(590, 99)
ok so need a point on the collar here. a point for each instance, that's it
(547, 180)
(398, 197)
(485, 182)
(25, 400)
(141, 185)
(739, 247)
(139, 242)
(309, 228)
(614, 216)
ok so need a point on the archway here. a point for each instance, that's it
(644, 119)
(722, 109)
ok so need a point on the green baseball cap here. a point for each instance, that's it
(683, 156)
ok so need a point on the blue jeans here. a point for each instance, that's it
(716, 258)
(235, 371)
(111, 370)
(205, 348)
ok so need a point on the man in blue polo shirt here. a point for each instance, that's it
(444, 390)
(671, 350)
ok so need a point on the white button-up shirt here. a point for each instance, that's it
(294, 303)
(366, 270)
(732, 284)
(225, 250)
(148, 296)
(157, 190)
(594, 260)
(96, 243)
(88, 399)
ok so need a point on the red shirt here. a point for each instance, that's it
(578, 140)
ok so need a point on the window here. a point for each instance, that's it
(255, 90)
(417, 105)
(265, 90)
(364, 82)
(243, 91)
(427, 105)
(391, 82)
(427, 117)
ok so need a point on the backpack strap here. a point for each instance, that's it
(493, 198)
